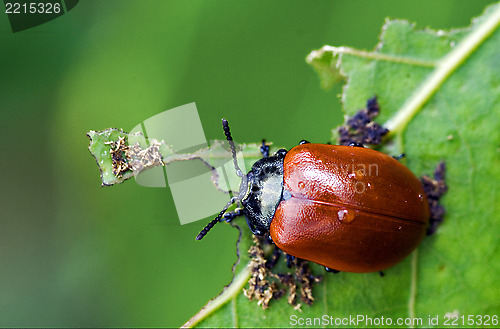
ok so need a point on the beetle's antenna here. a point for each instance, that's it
(216, 219)
(227, 132)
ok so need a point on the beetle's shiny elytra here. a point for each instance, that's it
(348, 208)
(352, 209)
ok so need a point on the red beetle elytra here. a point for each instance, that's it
(347, 208)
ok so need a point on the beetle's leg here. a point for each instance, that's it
(264, 149)
(289, 260)
(399, 157)
(356, 144)
(274, 257)
(381, 273)
(331, 270)
(304, 142)
(230, 215)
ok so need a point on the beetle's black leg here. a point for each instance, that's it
(356, 144)
(331, 270)
(274, 258)
(230, 215)
(304, 142)
(399, 157)
(264, 149)
(289, 260)
(381, 273)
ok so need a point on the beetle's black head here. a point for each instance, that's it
(260, 190)
(265, 187)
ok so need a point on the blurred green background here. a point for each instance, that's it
(75, 254)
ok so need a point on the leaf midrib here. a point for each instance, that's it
(446, 66)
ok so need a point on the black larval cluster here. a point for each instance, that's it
(434, 190)
(360, 128)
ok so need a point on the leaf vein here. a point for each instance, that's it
(370, 55)
(446, 67)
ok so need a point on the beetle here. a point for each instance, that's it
(348, 208)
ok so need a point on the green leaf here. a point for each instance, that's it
(103, 142)
(439, 92)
